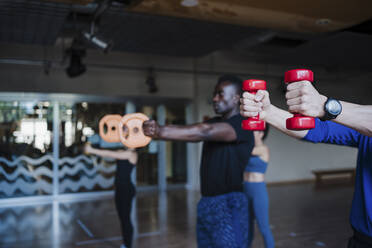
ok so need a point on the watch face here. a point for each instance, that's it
(333, 107)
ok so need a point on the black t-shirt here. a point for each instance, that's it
(223, 163)
(123, 172)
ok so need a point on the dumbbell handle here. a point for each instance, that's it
(257, 117)
(254, 123)
(299, 121)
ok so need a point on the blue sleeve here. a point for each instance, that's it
(333, 133)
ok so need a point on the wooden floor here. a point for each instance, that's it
(300, 217)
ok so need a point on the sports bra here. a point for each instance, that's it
(256, 164)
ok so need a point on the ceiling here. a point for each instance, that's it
(288, 15)
(336, 32)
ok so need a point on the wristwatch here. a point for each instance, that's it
(332, 108)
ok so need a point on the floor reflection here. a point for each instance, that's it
(300, 217)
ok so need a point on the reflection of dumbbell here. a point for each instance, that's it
(298, 121)
(126, 129)
(252, 86)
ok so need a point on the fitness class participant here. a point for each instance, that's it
(124, 188)
(337, 122)
(222, 210)
(255, 189)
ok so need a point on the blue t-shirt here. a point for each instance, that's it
(256, 164)
(333, 133)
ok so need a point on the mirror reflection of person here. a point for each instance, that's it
(124, 188)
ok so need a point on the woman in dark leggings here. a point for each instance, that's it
(124, 188)
(255, 189)
(124, 194)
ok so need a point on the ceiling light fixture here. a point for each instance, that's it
(91, 35)
(76, 53)
(76, 67)
(150, 81)
(189, 3)
(105, 46)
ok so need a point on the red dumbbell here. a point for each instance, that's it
(254, 123)
(298, 121)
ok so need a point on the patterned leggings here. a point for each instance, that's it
(223, 221)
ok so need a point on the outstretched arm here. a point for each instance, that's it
(192, 133)
(130, 155)
(251, 105)
(303, 98)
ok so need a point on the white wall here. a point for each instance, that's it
(293, 159)
(290, 159)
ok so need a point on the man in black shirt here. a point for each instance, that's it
(223, 209)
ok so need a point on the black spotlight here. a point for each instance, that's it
(150, 81)
(76, 67)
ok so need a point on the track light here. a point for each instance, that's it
(47, 66)
(150, 81)
(76, 67)
(105, 46)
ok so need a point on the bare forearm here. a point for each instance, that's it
(191, 133)
(251, 105)
(122, 155)
(277, 118)
(357, 117)
(198, 132)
